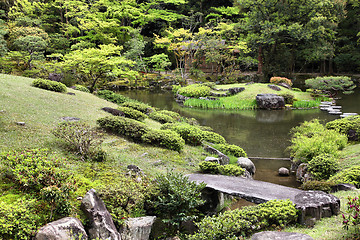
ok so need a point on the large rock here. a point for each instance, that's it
(223, 159)
(63, 229)
(285, 85)
(270, 101)
(235, 90)
(101, 223)
(113, 111)
(274, 235)
(274, 87)
(212, 159)
(284, 171)
(316, 205)
(137, 228)
(302, 173)
(247, 164)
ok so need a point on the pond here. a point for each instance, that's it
(261, 133)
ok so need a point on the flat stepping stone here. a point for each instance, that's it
(324, 108)
(324, 105)
(336, 107)
(274, 235)
(348, 115)
(327, 103)
(335, 113)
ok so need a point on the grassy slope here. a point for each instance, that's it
(41, 110)
(252, 90)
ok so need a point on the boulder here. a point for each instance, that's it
(343, 187)
(20, 123)
(316, 204)
(55, 77)
(235, 90)
(71, 93)
(113, 111)
(63, 229)
(223, 159)
(101, 223)
(285, 85)
(137, 228)
(270, 101)
(275, 235)
(212, 159)
(284, 171)
(247, 164)
(301, 172)
(352, 135)
(274, 87)
(181, 98)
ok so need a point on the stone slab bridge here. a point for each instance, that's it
(313, 205)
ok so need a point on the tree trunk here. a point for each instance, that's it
(260, 60)
(331, 69)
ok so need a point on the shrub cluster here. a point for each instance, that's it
(323, 166)
(311, 139)
(112, 97)
(230, 149)
(164, 138)
(161, 117)
(288, 98)
(132, 113)
(245, 221)
(49, 85)
(216, 168)
(172, 114)
(332, 84)
(277, 80)
(213, 137)
(195, 90)
(139, 106)
(81, 88)
(175, 88)
(350, 175)
(344, 125)
(325, 186)
(80, 137)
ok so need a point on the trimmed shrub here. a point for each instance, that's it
(160, 117)
(323, 166)
(164, 138)
(79, 137)
(325, 186)
(213, 137)
(209, 167)
(277, 80)
(172, 114)
(124, 126)
(112, 97)
(192, 135)
(142, 107)
(332, 84)
(344, 125)
(132, 113)
(195, 90)
(81, 88)
(231, 170)
(311, 139)
(49, 85)
(349, 175)
(288, 98)
(245, 221)
(230, 149)
(296, 89)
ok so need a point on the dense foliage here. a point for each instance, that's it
(332, 85)
(231, 149)
(49, 85)
(216, 168)
(323, 166)
(164, 138)
(245, 221)
(350, 175)
(132, 113)
(161, 117)
(344, 125)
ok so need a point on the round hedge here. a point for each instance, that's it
(230, 149)
(132, 113)
(160, 117)
(323, 166)
(164, 138)
(195, 90)
(142, 107)
(49, 85)
(213, 137)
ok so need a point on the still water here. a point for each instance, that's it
(261, 133)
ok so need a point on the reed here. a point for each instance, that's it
(225, 103)
(306, 104)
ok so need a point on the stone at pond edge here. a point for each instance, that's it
(272, 235)
(212, 159)
(270, 101)
(101, 223)
(68, 228)
(247, 164)
(137, 228)
(343, 187)
(316, 204)
(302, 174)
(235, 90)
(284, 171)
(223, 159)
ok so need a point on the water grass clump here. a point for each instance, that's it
(226, 103)
(306, 104)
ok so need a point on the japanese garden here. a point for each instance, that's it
(179, 119)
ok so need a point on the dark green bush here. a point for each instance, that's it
(81, 138)
(245, 221)
(311, 139)
(160, 117)
(49, 85)
(132, 113)
(349, 175)
(19, 219)
(331, 84)
(289, 98)
(142, 107)
(325, 186)
(231, 170)
(172, 114)
(209, 167)
(124, 126)
(164, 138)
(112, 97)
(81, 88)
(213, 137)
(345, 124)
(323, 166)
(230, 149)
(191, 134)
(194, 90)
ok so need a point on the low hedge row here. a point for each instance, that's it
(216, 168)
(245, 221)
(112, 97)
(230, 149)
(132, 113)
(49, 85)
(142, 107)
(139, 132)
(160, 117)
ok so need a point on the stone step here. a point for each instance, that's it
(335, 113)
(336, 107)
(348, 115)
(327, 103)
(324, 105)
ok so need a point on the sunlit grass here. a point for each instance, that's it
(306, 104)
(223, 103)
